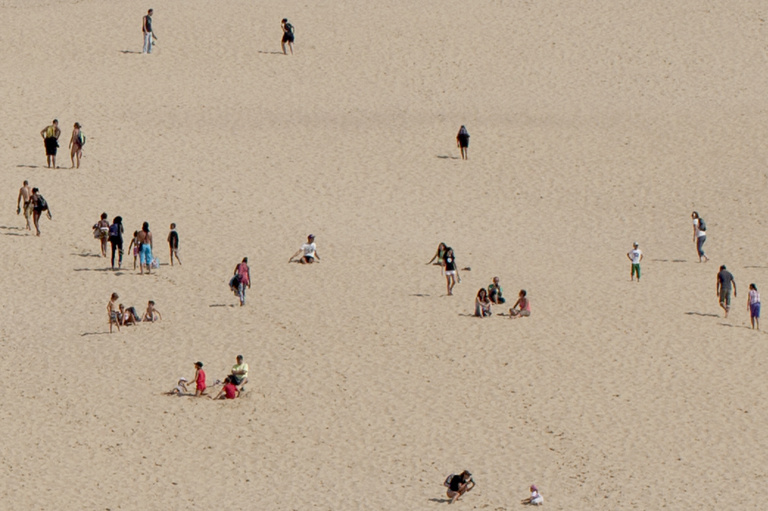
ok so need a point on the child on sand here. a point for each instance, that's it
(199, 379)
(152, 314)
(228, 391)
(173, 243)
(101, 232)
(458, 485)
(451, 272)
(753, 304)
(180, 389)
(522, 306)
(135, 246)
(535, 499)
(112, 311)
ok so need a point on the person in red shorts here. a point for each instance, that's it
(229, 391)
(199, 379)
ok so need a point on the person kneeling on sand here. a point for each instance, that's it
(522, 306)
(458, 485)
(535, 499)
(152, 314)
(482, 304)
(228, 391)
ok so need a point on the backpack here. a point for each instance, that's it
(82, 139)
(114, 231)
(42, 205)
(702, 224)
(448, 479)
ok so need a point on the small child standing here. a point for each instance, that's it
(152, 314)
(114, 315)
(173, 243)
(135, 245)
(753, 304)
(199, 379)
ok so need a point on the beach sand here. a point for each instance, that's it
(593, 125)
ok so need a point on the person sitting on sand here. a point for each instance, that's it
(152, 314)
(309, 251)
(239, 374)
(535, 499)
(522, 306)
(228, 391)
(495, 291)
(180, 389)
(458, 485)
(482, 304)
(113, 312)
(439, 256)
(129, 316)
(199, 379)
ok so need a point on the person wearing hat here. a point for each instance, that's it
(239, 374)
(309, 251)
(458, 485)
(199, 379)
(535, 499)
(287, 35)
(635, 256)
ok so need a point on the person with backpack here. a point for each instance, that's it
(116, 240)
(76, 142)
(39, 204)
(51, 136)
(287, 35)
(462, 140)
(241, 279)
(699, 235)
(458, 485)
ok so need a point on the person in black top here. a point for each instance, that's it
(173, 243)
(451, 272)
(287, 35)
(458, 485)
(724, 282)
(462, 140)
(116, 240)
(149, 34)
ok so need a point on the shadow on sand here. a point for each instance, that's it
(447, 157)
(702, 314)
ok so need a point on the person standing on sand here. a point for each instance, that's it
(101, 231)
(724, 282)
(145, 248)
(149, 34)
(76, 143)
(112, 311)
(243, 274)
(753, 304)
(462, 141)
(635, 256)
(51, 136)
(199, 379)
(287, 35)
(451, 272)
(116, 240)
(26, 194)
(699, 235)
(39, 204)
(173, 243)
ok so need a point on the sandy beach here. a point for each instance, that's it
(593, 125)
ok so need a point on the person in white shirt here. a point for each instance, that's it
(753, 304)
(308, 252)
(535, 499)
(635, 256)
(699, 235)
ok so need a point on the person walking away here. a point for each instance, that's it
(39, 204)
(149, 34)
(116, 240)
(51, 136)
(76, 143)
(462, 141)
(243, 279)
(145, 248)
(635, 256)
(753, 304)
(26, 194)
(173, 244)
(724, 282)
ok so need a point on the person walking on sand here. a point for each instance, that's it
(116, 240)
(76, 143)
(149, 34)
(112, 311)
(724, 282)
(243, 274)
(309, 251)
(753, 304)
(101, 232)
(635, 256)
(25, 193)
(451, 272)
(462, 141)
(134, 247)
(39, 204)
(287, 35)
(51, 136)
(145, 248)
(173, 244)
(699, 235)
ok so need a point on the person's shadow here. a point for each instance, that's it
(270, 52)
(440, 501)
(127, 52)
(447, 157)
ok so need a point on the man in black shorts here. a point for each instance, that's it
(287, 35)
(724, 282)
(51, 136)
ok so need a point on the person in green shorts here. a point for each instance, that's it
(635, 256)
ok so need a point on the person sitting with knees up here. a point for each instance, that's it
(495, 291)
(228, 391)
(482, 304)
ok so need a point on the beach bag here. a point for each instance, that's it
(155, 263)
(234, 282)
(82, 139)
(41, 203)
(702, 224)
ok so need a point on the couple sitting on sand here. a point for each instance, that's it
(483, 300)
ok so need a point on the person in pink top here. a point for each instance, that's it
(229, 391)
(242, 279)
(199, 379)
(522, 306)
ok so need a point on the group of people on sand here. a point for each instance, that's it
(51, 134)
(141, 244)
(460, 484)
(119, 315)
(232, 385)
(32, 203)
